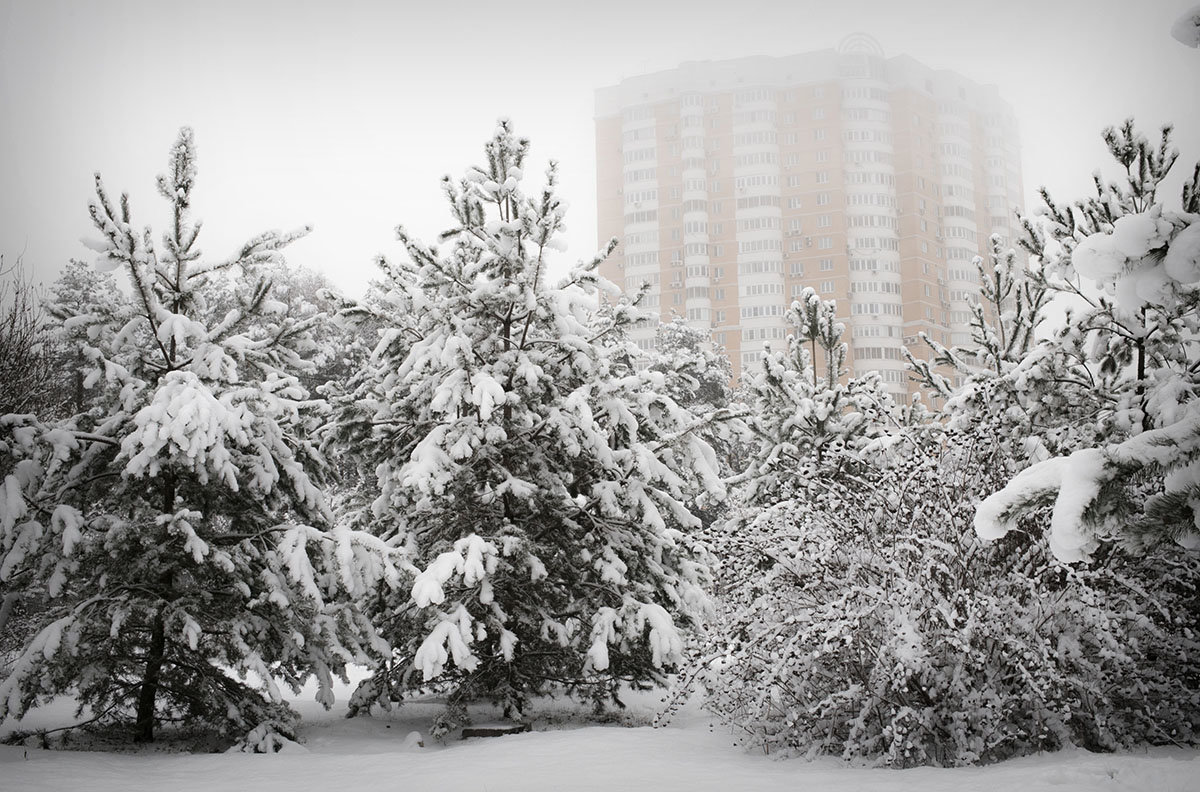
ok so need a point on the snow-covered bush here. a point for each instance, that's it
(535, 476)
(869, 622)
(175, 530)
(862, 617)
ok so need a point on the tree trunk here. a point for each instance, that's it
(6, 608)
(144, 727)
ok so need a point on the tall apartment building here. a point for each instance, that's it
(733, 185)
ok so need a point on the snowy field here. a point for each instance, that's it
(561, 754)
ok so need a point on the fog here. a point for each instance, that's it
(346, 115)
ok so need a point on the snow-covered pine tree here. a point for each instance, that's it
(806, 421)
(697, 376)
(1025, 404)
(176, 532)
(809, 432)
(535, 476)
(1131, 353)
(82, 300)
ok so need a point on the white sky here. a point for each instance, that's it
(345, 115)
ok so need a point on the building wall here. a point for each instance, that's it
(733, 185)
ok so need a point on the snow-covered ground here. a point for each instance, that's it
(561, 754)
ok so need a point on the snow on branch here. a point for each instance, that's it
(1076, 483)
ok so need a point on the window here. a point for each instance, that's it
(756, 223)
(760, 289)
(641, 259)
(826, 265)
(755, 245)
(644, 216)
(819, 133)
(877, 353)
(822, 177)
(756, 267)
(826, 287)
(875, 287)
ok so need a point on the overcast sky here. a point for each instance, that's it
(345, 115)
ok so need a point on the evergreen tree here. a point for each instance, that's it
(83, 300)
(802, 414)
(698, 376)
(1028, 405)
(536, 477)
(176, 530)
(1131, 468)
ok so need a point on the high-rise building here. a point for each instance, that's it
(733, 185)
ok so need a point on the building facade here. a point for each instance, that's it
(733, 185)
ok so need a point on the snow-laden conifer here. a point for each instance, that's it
(83, 301)
(698, 376)
(803, 414)
(1131, 468)
(536, 477)
(175, 531)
